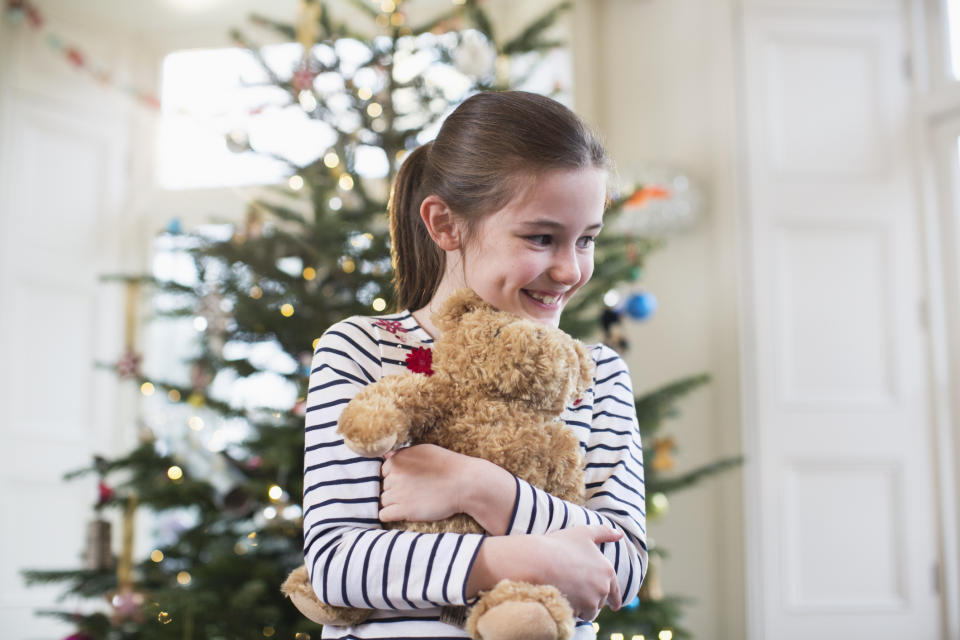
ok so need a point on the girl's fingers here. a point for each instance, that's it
(603, 533)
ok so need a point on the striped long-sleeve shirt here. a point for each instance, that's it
(407, 577)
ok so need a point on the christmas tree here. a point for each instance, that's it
(226, 489)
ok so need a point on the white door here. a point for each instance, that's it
(61, 172)
(841, 514)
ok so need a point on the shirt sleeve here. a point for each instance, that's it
(613, 475)
(351, 559)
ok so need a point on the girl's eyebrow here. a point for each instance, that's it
(553, 224)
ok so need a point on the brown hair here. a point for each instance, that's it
(488, 149)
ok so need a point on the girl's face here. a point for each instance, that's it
(531, 256)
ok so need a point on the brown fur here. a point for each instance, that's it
(499, 386)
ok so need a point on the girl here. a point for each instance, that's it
(506, 200)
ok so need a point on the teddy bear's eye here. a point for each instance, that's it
(496, 334)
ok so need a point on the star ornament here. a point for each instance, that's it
(420, 360)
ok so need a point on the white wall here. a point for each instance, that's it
(658, 78)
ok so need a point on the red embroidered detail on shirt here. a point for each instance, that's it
(392, 326)
(420, 360)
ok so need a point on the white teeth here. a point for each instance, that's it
(542, 298)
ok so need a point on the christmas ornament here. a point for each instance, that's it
(238, 502)
(128, 366)
(237, 141)
(80, 635)
(475, 57)
(614, 335)
(663, 449)
(126, 602)
(173, 226)
(651, 589)
(641, 305)
(420, 360)
(98, 556)
(104, 494)
(667, 203)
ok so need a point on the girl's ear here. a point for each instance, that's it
(441, 223)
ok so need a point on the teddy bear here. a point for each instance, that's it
(495, 388)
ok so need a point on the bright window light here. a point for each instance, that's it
(953, 17)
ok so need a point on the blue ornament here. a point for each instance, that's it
(173, 227)
(641, 305)
(633, 604)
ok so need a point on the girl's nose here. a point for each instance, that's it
(565, 269)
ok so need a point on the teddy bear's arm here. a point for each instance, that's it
(386, 414)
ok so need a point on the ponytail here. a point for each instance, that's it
(418, 263)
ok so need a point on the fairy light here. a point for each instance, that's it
(596, 627)
(335, 203)
(268, 631)
(611, 298)
(269, 513)
(196, 423)
(295, 182)
(200, 323)
(364, 93)
(665, 634)
(147, 389)
(164, 618)
(348, 266)
(183, 578)
(379, 304)
(379, 125)
(637, 636)
(256, 292)
(286, 310)
(346, 182)
(175, 473)
(309, 273)
(301, 636)
(240, 548)
(331, 159)
(316, 341)
(157, 556)
(275, 492)
(397, 19)
(388, 6)
(174, 395)
(616, 636)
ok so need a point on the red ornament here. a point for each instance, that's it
(303, 79)
(80, 635)
(128, 366)
(254, 462)
(105, 493)
(75, 56)
(577, 402)
(420, 360)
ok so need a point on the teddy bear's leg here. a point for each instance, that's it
(297, 588)
(521, 611)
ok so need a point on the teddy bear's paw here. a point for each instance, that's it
(297, 588)
(517, 620)
(373, 449)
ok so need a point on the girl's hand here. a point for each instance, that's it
(585, 576)
(569, 559)
(423, 483)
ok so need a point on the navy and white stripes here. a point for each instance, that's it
(407, 576)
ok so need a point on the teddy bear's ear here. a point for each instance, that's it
(459, 303)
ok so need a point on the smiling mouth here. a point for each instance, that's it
(544, 298)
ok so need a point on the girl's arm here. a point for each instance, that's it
(351, 559)
(504, 504)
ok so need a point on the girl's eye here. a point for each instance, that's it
(586, 242)
(540, 239)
